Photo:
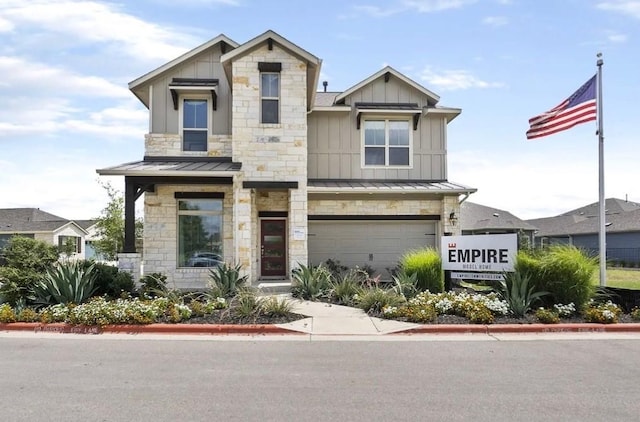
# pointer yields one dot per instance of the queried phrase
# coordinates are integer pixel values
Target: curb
(213, 329)
(524, 328)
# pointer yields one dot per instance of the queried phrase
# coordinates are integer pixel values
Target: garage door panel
(378, 244)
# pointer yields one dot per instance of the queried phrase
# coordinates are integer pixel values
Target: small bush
(110, 281)
(427, 265)
(345, 287)
(375, 299)
(7, 314)
(226, 279)
(635, 314)
(547, 316)
(154, 284)
(603, 313)
(247, 303)
(310, 283)
(405, 284)
(411, 313)
(66, 283)
(274, 306)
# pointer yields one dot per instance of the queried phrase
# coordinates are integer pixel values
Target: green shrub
(153, 285)
(518, 293)
(406, 285)
(375, 299)
(246, 303)
(603, 313)
(16, 284)
(635, 314)
(275, 306)
(226, 280)
(65, 283)
(563, 270)
(7, 314)
(27, 315)
(110, 281)
(427, 265)
(346, 286)
(310, 283)
(547, 316)
(411, 313)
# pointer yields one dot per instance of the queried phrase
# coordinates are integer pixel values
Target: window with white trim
(387, 143)
(200, 232)
(71, 244)
(195, 124)
(269, 97)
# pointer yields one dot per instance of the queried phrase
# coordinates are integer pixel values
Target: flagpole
(602, 231)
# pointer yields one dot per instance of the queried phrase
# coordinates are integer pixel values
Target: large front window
(194, 125)
(270, 97)
(200, 233)
(387, 143)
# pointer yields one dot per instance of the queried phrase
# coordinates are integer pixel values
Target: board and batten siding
(335, 142)
(206, 65)
(335, 149)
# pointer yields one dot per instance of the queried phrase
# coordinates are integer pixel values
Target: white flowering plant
(604, 313)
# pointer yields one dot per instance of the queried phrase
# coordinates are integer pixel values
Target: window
(200, 232)
(270, 97)
(387, 143)
(195, 128)
(70, 244)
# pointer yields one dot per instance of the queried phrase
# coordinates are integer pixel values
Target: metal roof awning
(175, 166)
(178, 85)
(387, 186)
(389, 108)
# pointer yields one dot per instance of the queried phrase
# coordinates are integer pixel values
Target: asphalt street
(98, 378)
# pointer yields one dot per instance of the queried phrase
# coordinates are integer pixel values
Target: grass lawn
(616, 277)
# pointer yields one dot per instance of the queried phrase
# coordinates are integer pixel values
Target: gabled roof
(620, 216)
(313, 62)
(143, 95)
(31, 220)
(476, 217)
(433, 98)
(85, 224)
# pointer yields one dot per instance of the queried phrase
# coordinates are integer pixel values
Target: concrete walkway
(329, 319)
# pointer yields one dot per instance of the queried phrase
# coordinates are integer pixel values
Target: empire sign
(491, 252)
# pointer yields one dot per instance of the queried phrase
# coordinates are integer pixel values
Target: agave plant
(226, 279)
(310, 283)
(66, 282)
(515, 290)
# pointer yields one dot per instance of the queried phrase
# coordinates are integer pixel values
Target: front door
(273, 248)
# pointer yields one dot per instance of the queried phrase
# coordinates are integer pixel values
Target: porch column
(298, 226)
(242, 227)
(129, 216)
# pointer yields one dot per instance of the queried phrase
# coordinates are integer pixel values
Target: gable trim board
(305, 170)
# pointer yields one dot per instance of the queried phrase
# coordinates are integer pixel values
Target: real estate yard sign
(482, 253)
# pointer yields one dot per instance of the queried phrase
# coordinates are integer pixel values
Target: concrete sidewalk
(329, 319)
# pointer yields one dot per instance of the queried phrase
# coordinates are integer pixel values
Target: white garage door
(379, 244)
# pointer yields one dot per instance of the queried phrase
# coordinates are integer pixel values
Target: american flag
(580, 107)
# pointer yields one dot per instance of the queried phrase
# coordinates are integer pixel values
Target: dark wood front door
(273, 248)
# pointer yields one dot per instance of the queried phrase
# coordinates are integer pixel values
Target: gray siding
(206, 65)
(335, 148)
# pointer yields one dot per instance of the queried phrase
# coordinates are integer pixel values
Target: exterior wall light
(453, 218)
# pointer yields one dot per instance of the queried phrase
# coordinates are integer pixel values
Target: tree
(110, 225)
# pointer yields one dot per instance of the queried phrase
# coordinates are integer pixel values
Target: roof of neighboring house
(85, 224)
(22, 220)
(621, 216)
(476, 217)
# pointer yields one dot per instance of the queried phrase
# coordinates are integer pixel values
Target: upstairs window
(387, 143)
(195, 127)
(269, 97)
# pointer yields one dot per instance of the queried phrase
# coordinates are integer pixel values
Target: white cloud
(627, 7)
(420, 6)
(451, 80)
(5, 25)
(199, 3)
(495, 20)
(94, 22)
(23, 75)
(617, 38)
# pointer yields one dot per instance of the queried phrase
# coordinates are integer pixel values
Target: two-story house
(246, 163)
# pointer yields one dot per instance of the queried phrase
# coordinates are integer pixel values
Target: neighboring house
(245, 161)
(92, 235)
(580, 227)
(40, 225)
(480, 219)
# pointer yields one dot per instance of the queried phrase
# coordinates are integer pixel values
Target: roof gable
(313, 62)
(137, 86)
(15, 220)
(386, 72)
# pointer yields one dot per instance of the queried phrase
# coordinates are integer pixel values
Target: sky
(65, 65)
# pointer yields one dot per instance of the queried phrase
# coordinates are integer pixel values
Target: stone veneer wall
(170, 144)
(161, 234)
(270, 152)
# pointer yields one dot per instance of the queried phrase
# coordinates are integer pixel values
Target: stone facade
(170, 144)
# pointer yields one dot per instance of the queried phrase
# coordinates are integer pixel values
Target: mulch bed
(229, 316)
